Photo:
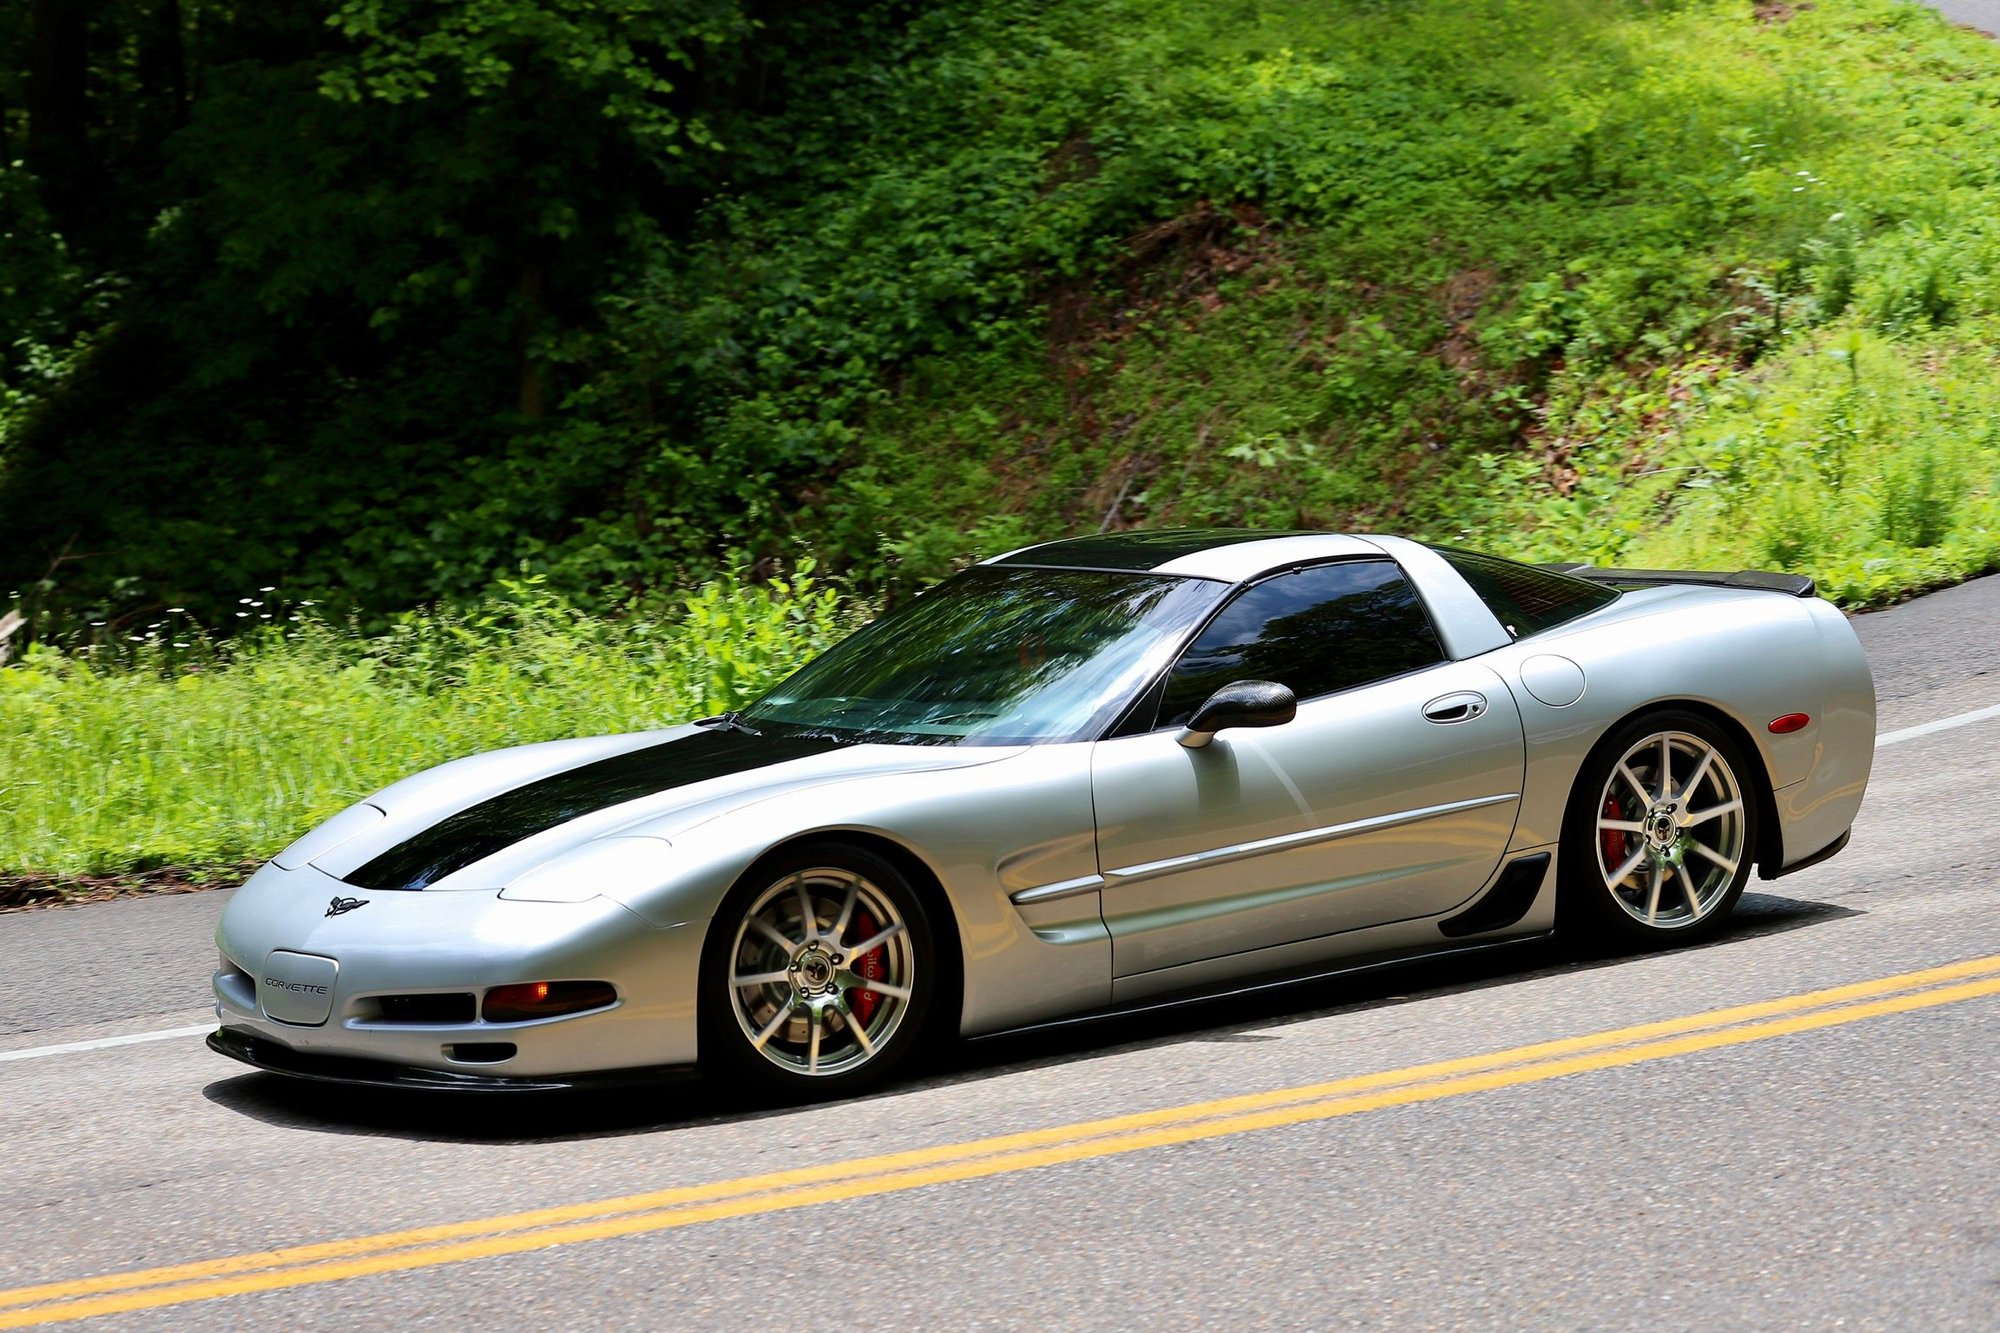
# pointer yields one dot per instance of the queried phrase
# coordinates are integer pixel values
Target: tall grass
(175, 750)
(1868, 461)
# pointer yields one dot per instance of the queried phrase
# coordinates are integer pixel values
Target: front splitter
(269, 1055)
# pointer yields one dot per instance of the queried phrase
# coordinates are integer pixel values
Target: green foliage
(1920, 494)
(432, 290)
(1317, 266)
(618, 52)
(353, 338)
(536, 307)
(39, 283)
(179, 749)
(1868, 461)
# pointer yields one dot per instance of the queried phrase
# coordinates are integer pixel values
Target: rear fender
(1815, 811)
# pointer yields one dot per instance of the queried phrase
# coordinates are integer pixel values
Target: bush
(178, 749)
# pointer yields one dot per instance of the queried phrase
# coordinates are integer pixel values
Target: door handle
(1460, 707)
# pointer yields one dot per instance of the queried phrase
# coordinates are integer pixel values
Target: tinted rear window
(1525, 599)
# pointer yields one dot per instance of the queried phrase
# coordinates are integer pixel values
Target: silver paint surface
(1072, 876)
(1555, 681)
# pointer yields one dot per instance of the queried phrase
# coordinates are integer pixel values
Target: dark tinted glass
(994, 656)
(1527, 600)
(1315, 631)
(1139, 550)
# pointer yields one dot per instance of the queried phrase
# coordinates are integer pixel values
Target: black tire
(1691, 843)
(761, 1036)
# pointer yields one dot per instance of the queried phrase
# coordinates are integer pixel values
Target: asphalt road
(1817, 1162)
(1981, 14)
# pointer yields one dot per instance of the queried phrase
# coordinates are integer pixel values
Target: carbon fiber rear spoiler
(1798, 585)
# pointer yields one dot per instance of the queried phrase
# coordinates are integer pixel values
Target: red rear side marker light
(1790, 722)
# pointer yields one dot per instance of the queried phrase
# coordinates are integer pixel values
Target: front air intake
(450, 1007)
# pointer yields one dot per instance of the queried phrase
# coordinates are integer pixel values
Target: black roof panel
(1138, 550)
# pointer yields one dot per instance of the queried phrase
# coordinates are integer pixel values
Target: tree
(348, 262)
(59, 148)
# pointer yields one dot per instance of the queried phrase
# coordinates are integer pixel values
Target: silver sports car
(1091, 774)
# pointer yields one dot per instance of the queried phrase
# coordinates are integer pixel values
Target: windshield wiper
(727, 722)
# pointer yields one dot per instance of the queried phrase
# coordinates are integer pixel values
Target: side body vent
(1512, 894)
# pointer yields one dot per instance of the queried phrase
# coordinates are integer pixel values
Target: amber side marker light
(1790, 722)
(545, 999)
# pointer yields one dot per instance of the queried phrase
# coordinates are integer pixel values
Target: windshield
(996, 656)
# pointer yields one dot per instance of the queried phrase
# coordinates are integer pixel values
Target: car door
(1391, 795)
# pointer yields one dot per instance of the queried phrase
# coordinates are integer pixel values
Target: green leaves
(436, 287)
(116, 757)
(624, 56)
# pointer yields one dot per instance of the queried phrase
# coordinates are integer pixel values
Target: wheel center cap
(1662, 828)
(812, 971)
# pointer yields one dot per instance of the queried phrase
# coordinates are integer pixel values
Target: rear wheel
(1660, 833)
(818, 975)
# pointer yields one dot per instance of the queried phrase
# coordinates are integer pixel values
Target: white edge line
(1942, 724)
(103, 1043)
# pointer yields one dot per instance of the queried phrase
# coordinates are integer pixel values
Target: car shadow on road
(500, 1119)
(1222, 1020)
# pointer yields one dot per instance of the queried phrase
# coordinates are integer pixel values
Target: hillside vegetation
(396, 304)
(1583, 278)
(186, 753)
(1661, 284)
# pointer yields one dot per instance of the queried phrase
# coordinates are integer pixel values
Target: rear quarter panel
(1820, 808)
(1748, 657)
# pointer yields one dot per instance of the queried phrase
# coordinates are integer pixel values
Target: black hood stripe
(498, 822)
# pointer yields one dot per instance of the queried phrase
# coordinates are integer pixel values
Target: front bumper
(457, 942)
(269, 1055)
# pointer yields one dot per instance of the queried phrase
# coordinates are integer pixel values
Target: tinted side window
(1525, 599)
(1315, 630)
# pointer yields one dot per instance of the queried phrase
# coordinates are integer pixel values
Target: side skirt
(1210, 995)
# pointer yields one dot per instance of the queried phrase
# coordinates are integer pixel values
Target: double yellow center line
(661, 1210)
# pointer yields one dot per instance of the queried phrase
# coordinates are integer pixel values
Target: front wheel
(818, 975)
(1660, 832)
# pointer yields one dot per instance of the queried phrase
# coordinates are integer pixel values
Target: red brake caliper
(869, 966)
(1614, 841)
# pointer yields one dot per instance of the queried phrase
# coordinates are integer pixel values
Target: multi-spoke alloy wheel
(823, 970)
(1671, 829)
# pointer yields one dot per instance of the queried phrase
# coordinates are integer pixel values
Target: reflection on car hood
(497, 824)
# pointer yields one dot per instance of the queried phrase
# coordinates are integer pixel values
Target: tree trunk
(59, 108)
(531, 304)
(164, 57)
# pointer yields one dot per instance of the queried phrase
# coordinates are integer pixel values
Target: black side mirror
(1241, 703)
